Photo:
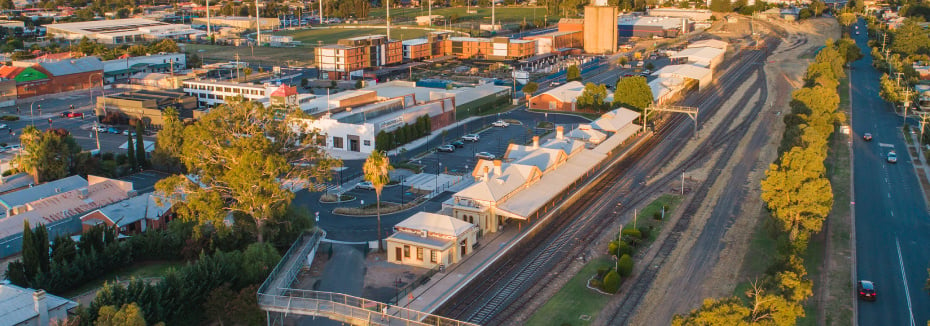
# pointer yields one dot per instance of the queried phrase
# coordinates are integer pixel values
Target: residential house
(27, 307)
(132, 216)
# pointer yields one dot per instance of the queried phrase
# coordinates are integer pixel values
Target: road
(892, 223)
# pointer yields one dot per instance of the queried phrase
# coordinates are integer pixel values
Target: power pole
(321, 12)
(493, 5)
(209, 31)
(258, 27)
(388, 7)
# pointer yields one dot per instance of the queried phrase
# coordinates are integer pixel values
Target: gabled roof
(41, 191)
(133, 210)
(497, 187)
(435, 223)
(17, 304)
(28, 74)
(566, 93)
(285, 91)
(10, 72)
(616, 119)
(687, 71)
(700, 55)
(73, 66)
(586, 133)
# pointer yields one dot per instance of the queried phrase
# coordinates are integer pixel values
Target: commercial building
(210, 93)
(241, 22)
(122, 69)
(702, 75)
(27, 307)
(429, 240)
(556, 41)
(59, 210)
(707, 57)
(35, 78)
(7, 92)
(692, 14)
(497, 48)
(350, 121)
(649, 26)
(147, 105)
(600, 27)
(122, 31)
(351, 56)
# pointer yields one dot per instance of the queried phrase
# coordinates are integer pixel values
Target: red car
(75, 115)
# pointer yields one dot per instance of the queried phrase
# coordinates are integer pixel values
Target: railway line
(497, 294)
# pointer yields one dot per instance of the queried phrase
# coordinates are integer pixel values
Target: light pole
(437, 177)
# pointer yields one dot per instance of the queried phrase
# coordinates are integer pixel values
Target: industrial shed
(702, 75)
(707, 57)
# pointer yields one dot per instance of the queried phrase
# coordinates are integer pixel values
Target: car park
(113, 130)
(500, 123)
(458, 144)
(892, 157)
(471, 137)
(867, 137)
(445, 148)
(866, 290)
(365, 185)
(485, 156)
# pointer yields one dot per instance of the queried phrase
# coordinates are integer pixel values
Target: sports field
(502, 14)
(312, 37)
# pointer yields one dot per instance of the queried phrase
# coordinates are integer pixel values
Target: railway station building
(428, 240)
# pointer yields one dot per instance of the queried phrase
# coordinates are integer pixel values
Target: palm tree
(377, 168)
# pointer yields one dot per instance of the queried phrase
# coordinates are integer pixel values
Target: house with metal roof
(60, 210)
(23, 306)
(428, 240)
(19, 201)
(131, 216)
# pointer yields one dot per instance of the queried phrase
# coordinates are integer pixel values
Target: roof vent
(57, 190)
(424, 233)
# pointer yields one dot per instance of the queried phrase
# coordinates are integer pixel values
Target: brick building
(352, 55)
(42, 78)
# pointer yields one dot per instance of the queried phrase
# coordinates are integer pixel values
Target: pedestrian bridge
(279, 300)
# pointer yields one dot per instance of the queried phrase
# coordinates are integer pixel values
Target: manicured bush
(633, 233)
(612, 281)
(625, 265)
(645, 231)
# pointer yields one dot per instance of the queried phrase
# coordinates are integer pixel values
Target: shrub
(625, 265)
(9, 118)
(595, 282)
(602, 271)
(634, 233)
(612, 281)
(619, 249)
(645, 231)
(657, 216)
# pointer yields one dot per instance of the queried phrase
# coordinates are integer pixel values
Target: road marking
(886, 180)
(889, 195)
(907, 293)
(892, 213)
(885, 145)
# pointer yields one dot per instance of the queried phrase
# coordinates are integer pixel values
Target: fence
(350, 309)
(423, 279)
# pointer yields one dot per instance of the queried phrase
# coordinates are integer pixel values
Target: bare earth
(678, 288)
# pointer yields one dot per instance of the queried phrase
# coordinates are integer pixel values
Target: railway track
(493, 297)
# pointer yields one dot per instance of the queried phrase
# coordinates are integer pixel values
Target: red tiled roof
(10, 71)
(285, 91)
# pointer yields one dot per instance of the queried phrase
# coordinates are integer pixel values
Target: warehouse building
(121, 70)
(147, 105)
(707, 57)
(562, 98)
(702, 75)
(650, 26)
(692, 14)
(122, 31)
(34, 78)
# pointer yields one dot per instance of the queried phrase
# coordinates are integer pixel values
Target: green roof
(30, 74)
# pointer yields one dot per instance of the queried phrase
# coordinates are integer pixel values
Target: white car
(101, 129)
(500, 123)
(365, 185)
(892, 157)
(485, 156)
(471, 137)
(127, 132)
(3, 126)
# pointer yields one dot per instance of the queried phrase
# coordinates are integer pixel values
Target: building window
(406, 251)
(419, 254)
(433, 256)
(337, 142)
(367, 142)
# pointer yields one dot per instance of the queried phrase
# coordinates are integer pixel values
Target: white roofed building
(428, 240)
(707, 57)
(702, 75)
(28, 307)
(121, 31)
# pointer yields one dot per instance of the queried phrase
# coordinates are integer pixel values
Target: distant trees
(720, 5)
(633, 93)
(128, 315)
(573, 74)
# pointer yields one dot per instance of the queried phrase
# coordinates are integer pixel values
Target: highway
(891, 219)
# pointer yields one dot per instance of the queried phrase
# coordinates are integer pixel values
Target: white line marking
(886, 179)
(889, 195)
(885, 145)
(907, 293)
(892, 213)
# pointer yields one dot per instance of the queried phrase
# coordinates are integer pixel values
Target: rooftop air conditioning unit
(424, 233)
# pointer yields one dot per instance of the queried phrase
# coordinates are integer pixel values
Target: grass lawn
(502, 14)
(645, 217)
(263, 55)
(311, 37)
(763, 248)
(141, 270)
(574, 299)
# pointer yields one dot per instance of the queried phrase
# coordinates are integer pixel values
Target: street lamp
(437, 177)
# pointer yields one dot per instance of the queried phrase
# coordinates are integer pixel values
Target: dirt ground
(784, 71)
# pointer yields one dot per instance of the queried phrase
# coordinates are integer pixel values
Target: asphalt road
(892, 223)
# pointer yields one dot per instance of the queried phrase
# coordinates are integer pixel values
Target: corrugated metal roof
(436, 223)
(73, 66)
(44, 190)
(17, 304)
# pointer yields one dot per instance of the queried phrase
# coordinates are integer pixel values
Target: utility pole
(387, 5)
(907, 102)
(493, 5)
(430, 12)
(209, 31)
(258, 27)
(321, 12)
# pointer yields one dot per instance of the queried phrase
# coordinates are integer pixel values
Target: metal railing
(350, 309)
(421, 280)
(276, 295)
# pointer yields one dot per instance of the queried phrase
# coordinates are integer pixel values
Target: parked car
(12, 148)
(866, 290)
(113, 130)
(500, 123)
(458, 144)
(485, 156)
(365, 185)
(471, 137)
(128, 132)
(75, 115)
(892, 157)
(867, 136)
(101, 129)
(446, 148)
(3, 126)
(65, 114)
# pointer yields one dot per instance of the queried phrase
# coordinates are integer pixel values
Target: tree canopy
(47, 155)
(240, 156)
(593, 98)
(573, 74)
(633, 93)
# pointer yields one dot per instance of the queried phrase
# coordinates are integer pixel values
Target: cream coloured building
(429, 240)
